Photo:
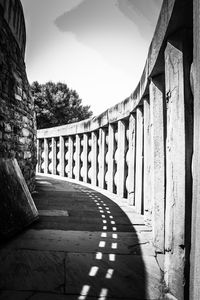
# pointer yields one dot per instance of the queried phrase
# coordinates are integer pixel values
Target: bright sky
(97, 47)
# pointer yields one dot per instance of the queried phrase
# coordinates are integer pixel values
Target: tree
(56, 104)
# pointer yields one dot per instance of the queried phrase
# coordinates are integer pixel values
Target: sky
(97, 47)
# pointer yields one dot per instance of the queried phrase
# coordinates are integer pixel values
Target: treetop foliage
(56, 104)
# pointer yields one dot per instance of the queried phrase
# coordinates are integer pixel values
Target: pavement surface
(84, 246)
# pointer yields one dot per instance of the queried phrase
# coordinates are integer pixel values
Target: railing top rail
(172, 18)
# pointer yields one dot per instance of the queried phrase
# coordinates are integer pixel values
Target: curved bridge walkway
(85, 246)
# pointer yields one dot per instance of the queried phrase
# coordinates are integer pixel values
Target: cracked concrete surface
(101, 249)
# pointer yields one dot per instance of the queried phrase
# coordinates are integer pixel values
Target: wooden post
(70, 157)
(85, 157)
(131, 160)
(147, 163)
(121, 160)
(102, 145)
(157, 162)
(78, 157)
(111, 158)
(178, 159)
(94, 159)
(62, 156)
(46, 156)
(139, 162)
(195, 249)
(53, 141)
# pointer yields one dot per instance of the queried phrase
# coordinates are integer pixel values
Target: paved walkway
(85, 246)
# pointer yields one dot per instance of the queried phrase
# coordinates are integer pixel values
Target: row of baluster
(105, 158)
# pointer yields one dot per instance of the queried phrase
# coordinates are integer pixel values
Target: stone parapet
(141, 148)
(13, 14)
(17, 117)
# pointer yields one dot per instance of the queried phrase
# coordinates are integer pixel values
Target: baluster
(39, 155)
(78, 157)
(89, 157)
(157, 161)
(46, 155)
(50, 166)
(70, 156)
(195, 249)
(102, 140)
(121, 158)
(111, 158)
(85, 157)
(54, 160)
(147, 162)
(139, 161)
(94, 159)
(62, 156)
(131, 160)
(178, 157)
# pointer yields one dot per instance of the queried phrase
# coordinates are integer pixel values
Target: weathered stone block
(17, 208)
(27, 154)
(25, 132)
(7, 127)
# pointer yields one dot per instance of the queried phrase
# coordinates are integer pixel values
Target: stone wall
(17, 119)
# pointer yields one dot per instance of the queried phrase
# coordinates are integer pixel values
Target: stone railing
(141, 148)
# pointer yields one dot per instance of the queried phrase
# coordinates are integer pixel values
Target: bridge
(128, 178)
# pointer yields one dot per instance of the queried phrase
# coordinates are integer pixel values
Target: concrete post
(131, 160)
(195, 249)
(78, 157)
(70, 156)
(94, 159)
(85, 157)
(111, 158)
(102, 145)
(46, 156)
(39, 155)
(157, 161)
(53, 142)
(121, 159)
(178, 160)
(139, 161)
(62, 156)
(147, 163)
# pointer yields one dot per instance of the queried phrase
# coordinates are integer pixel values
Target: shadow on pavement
(83, 247)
